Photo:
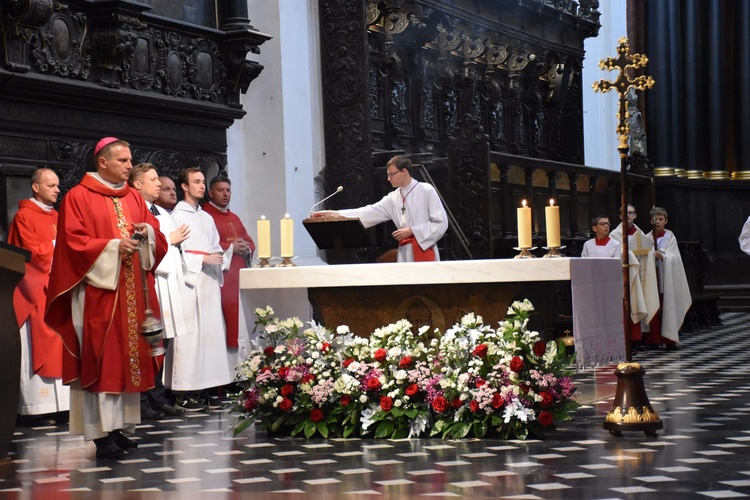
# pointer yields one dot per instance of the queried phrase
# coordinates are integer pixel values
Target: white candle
(287, 236)
(264, 238)
(552, 218)
(524, 226)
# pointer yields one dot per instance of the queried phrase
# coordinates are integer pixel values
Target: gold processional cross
(631, 409)
(624, 62)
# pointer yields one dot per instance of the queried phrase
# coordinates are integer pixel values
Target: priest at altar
(414, 207)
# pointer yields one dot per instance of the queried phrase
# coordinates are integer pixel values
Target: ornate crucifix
(624, 62)
(631, 409)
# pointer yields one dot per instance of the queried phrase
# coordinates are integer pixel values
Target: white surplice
(200, 360)
(423, 212)
(610, 250)
(673, 284)
(745, 237)
(170, 281)
(644, 293)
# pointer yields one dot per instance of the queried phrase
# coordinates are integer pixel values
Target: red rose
(285, 405)
(545, 418)
(473, 406)
(386, 403)
(525, 387)
(373, 384)
(480, 351)
(479, 382)
(440, 404)
(282, 372)
(345, 400)
(380, 355)
(316, 415)
(497, 401)
(516, 364)
(411, 390)
(308, 378)
(539, 349)
(265, 369)
(547, 398)
(268, 351)
(325, 348)
(287, 390)
(405, 362)
(347, 362)
(456, 403)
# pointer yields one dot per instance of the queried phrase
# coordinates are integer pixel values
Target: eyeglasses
(391, 174)
(602, 223)
(631, 213)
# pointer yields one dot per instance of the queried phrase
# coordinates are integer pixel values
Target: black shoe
(172, 411)
(148, 413)
(213, 403)
(106, 448)
(671, 347)
(122, 441)
(191, 405)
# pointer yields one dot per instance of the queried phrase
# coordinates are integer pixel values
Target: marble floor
(701, 392)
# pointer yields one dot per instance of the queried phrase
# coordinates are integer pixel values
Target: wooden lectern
(336, 234)
(12, 270)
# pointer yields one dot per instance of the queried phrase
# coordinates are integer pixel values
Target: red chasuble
(230, 229)
(35, 229)
(112, 357)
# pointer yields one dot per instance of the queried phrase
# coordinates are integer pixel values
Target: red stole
(230, 229)
(112, 357)
(35, 229)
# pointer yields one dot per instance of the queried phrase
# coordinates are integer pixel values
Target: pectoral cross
(403, 209)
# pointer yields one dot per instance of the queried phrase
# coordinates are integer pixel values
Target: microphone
(338, 190)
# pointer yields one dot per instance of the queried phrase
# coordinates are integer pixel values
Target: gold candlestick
(525, 253)
(553, 252)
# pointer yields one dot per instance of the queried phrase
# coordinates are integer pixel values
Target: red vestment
(35, 229)
(230, 229)
(112, 357)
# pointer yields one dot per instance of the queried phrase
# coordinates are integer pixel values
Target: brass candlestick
(553, 252)
(525, 253)
(287, 262)
(263, 262)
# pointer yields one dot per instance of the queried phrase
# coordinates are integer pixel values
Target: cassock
(34, 228)
(200, 361)
(231, 229)
(607, 248)
(169, 282)
(673, 285)
(644, 294)
(96, 304)
(416, 206)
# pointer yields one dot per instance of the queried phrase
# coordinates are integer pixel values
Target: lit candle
(524, 226)
(552, 217)
(264, 238)
(287, 236)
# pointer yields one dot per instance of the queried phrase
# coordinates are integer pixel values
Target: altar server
(201, 360)
(673, 285)
(601, 245)
(414, 207)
